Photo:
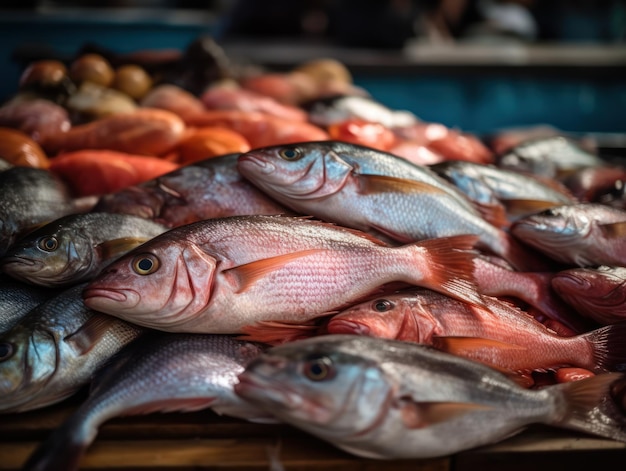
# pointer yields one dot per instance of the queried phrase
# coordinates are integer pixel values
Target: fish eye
(319, 368)
(382, 305)
(48, 243)
(145, 264)
(6, 351)
(290, 153)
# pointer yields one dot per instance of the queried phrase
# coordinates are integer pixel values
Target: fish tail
(63, 449)
(449, 267)
(609, 347)
(595, 405)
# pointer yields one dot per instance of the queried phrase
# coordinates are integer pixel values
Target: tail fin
(609, 347)
(449, 267)
(592, 408)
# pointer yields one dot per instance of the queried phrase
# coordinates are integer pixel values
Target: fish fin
(248, 273)
(369, 184)
(117, 247)
(451, 266)
(495, 214)
(423, 414)
(592, 405)
(394, 236)
(465, 346)
(276, 332)
(189, 404)
(609, 348)
(523, 207)
(88, 335)
(615, 230)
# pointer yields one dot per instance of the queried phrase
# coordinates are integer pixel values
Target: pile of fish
(395, 287)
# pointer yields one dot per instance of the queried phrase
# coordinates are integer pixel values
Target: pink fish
(221, 275)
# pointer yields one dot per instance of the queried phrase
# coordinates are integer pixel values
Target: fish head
(160, 284)
(380, 317)
(295, 171)
(29, 358)
(316, 387)
(53, 255)
(602, 287)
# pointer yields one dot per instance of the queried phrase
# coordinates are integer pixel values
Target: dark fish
(16, 299)
(598, 293)
(389, 399)
(549, 157)
(503, 195)
(158, 373)
(599, 184)
(208, 189)
(30, 197)
(54, 350)
(74, 248)
(586, 234)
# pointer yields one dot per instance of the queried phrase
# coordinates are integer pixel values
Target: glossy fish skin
(499, 335)
(74, 248)
(222, 275)
(208, 189)
(595, 184)
(17, 299)
(372, 191)
(514, 194)
(389, 399)
(28, 197)
(158, 373)
(549, 157)
(54, 349)
(586, 234)
(598, 293)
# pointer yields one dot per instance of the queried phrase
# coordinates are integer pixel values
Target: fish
(599, 184)
(74, 248)
(503, 194)
(499, 334)
(17, 299)
(375, 192)
(495, 278)
(226, 274)
(40, 119)
(54, 349)
(551, 157)
(160, 372)
(30, 197)
(18, 148)
(174, 99)
(388, 399)
(597, 293)
(584, 234)
(206, 189)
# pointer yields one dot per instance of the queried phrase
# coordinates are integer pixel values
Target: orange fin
(369, 184)
(117, 247)
(248, 273)
(466, 345)
(494, 214)
(276, 332)
(615, 230)
(451, 265)
(90, 333)
(522, 207)
(423, 414)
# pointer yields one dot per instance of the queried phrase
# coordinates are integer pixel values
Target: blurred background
(474, 65)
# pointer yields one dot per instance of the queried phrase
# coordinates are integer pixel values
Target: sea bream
(389, 399)
(500, 335)
(161, 372)
(54, 350)
(585, 234)
(222, 275)
(74, 248)
(375, 192)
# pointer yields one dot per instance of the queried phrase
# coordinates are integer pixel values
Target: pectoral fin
(615, 230)
(91, 332)
(117, 247)
(423, 414)
(370, 184)
(522, 207)
(465, 346)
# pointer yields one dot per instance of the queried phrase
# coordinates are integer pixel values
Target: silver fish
(158, 373)
(74, 248)
(54, 349)
(586, 234)
(390, 399)
(17, 299)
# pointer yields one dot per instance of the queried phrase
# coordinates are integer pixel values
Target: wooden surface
(204, 440)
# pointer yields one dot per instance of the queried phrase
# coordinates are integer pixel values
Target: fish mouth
(343, 326)
(254, 387)
(252, 160)
(16, 260)
(104, 293)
